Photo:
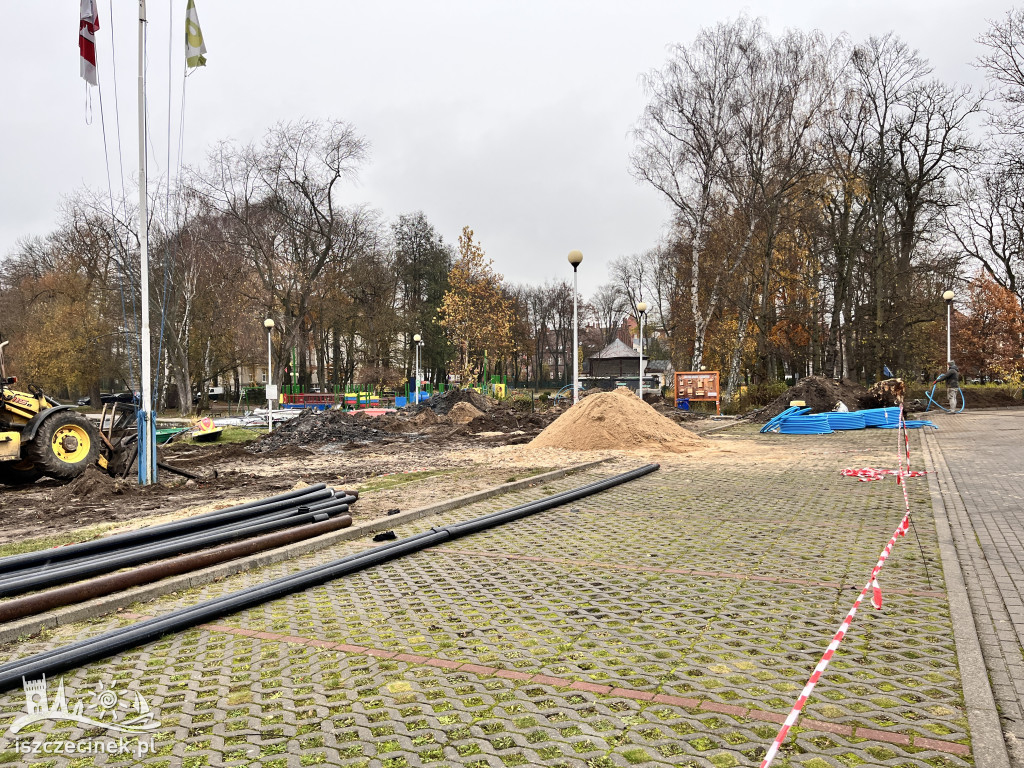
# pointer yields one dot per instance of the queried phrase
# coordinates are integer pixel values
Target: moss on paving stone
(599, 606)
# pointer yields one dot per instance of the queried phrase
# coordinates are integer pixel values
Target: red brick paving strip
(839, 729)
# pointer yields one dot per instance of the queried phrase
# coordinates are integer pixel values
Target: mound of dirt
(616, 420)
(312, 428)
(455, 414)
(464, 412)
(444, 402)
(92, 484)
(820, 394)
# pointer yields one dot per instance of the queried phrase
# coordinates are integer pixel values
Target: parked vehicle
(122, 397)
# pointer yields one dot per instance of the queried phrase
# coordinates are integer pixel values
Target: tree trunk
(741, 337)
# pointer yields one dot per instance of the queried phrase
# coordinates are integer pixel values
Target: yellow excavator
(39, 436)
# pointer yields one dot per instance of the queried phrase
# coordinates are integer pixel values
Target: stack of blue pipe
(799, 421)
(880, 417)
(840, 420)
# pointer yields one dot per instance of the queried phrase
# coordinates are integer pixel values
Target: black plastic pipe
(122, 559)
(314, 493)
(189, 535)
(292, 494)
(145, 574)
(90, 565)
(125, 638)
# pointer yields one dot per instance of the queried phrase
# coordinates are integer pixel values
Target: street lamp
(948, 296)
(641, 308)
(575, 258)
(271, 389)
(419, 343)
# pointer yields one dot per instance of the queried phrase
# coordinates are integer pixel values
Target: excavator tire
(18, 473)
(65, 444)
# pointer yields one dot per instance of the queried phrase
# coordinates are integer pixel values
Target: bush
(760, 395)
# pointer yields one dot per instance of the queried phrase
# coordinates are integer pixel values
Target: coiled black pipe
(125, 638)
(304, 496)
(107, 562)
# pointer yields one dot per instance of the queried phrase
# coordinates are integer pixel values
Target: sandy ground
(232, 476)
(402, 472)
(390, 477)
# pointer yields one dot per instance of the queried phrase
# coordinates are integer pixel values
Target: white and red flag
(90, 22)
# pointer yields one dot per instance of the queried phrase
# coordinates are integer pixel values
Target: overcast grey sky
(512, 117)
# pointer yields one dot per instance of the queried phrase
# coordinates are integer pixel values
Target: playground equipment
(566, 391)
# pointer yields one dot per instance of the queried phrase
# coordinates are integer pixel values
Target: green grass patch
(229, 435)
(56, 540)
(528, 473)
(387, 482)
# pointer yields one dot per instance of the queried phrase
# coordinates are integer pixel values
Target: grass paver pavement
(672, 620)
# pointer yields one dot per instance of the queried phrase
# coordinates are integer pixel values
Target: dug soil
(818, 393)
(444, 447)
(459, 416)
(822, 394)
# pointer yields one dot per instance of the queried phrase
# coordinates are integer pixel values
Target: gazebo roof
(615, 351)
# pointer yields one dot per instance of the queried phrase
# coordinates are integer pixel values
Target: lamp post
(641, 308)
(575, 258)
(948, 296)
(271, 389)
(419, 343)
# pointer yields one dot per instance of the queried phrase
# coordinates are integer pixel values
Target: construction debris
(884, 394)
(443, 418)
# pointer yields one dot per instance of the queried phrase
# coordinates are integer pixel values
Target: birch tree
(686, 143)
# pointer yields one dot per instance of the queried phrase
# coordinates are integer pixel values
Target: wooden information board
(699, 385)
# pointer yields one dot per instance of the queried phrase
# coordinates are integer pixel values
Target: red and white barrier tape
(872, 584)
(866, 474)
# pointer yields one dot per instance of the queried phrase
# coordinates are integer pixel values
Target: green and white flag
(195, 48)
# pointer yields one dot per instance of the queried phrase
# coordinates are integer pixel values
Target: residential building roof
(614, 351)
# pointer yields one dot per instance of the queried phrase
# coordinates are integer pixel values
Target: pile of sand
(616, 420)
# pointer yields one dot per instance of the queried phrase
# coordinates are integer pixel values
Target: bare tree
(988, 224)
(1003, 63)
(788, 82)
(609, 306)
(686, 143)
(282, 199)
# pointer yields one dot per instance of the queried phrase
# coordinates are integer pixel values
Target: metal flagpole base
(146, 421)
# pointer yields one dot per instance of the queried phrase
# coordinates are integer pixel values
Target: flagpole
(146, 421)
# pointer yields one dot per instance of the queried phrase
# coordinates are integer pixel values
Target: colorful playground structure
(294, 396)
